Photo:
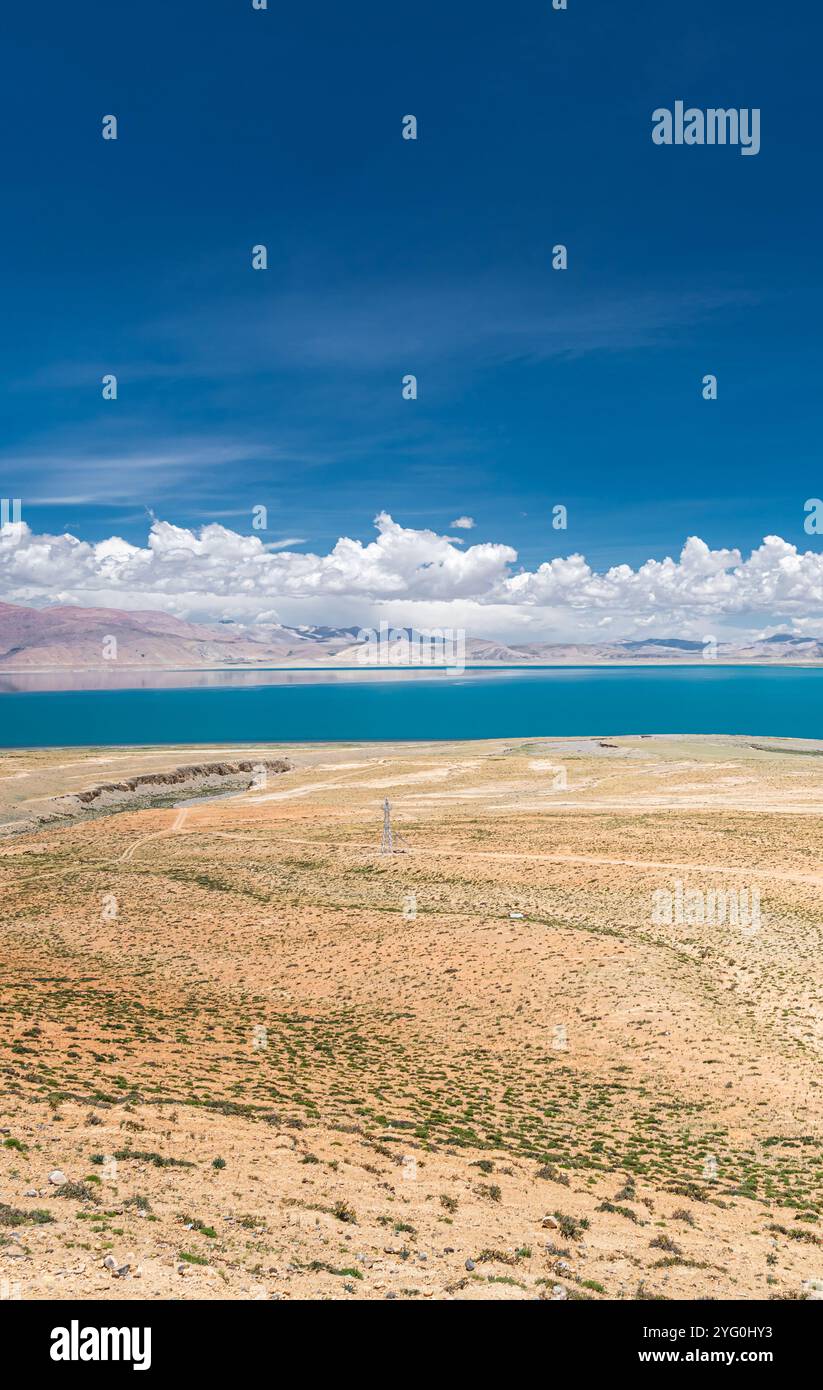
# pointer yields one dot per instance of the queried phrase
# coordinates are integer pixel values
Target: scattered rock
(470, 1265)
(57, 1177)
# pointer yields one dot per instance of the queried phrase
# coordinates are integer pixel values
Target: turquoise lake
(229, 707)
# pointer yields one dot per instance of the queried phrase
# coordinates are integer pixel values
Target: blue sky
(387, 256)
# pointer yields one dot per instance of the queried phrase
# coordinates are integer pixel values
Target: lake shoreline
(125, 679)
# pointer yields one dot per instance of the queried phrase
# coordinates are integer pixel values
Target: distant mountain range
(64, 637)
(67, 637)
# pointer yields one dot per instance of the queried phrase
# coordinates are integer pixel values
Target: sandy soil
(421, 1075)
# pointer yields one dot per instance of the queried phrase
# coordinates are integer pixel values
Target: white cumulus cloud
(417, 576)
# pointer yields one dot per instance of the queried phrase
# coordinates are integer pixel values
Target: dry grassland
(271, 1062)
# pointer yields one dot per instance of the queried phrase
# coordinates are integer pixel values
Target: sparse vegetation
(16, 1216)
(665, 1243)
(571, 1227)
(387, 1036)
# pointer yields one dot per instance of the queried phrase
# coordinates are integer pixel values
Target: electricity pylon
(387, 843)
(392, 841)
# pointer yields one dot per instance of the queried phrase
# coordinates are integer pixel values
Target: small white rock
(57, 1177)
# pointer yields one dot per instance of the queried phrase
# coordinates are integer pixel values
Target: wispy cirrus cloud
(106, 471)
(375, 325)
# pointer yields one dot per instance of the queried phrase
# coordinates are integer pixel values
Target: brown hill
(68, 637)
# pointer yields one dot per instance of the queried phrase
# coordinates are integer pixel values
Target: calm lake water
(229, 707)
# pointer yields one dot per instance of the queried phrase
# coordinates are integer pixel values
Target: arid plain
(246, 1055)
